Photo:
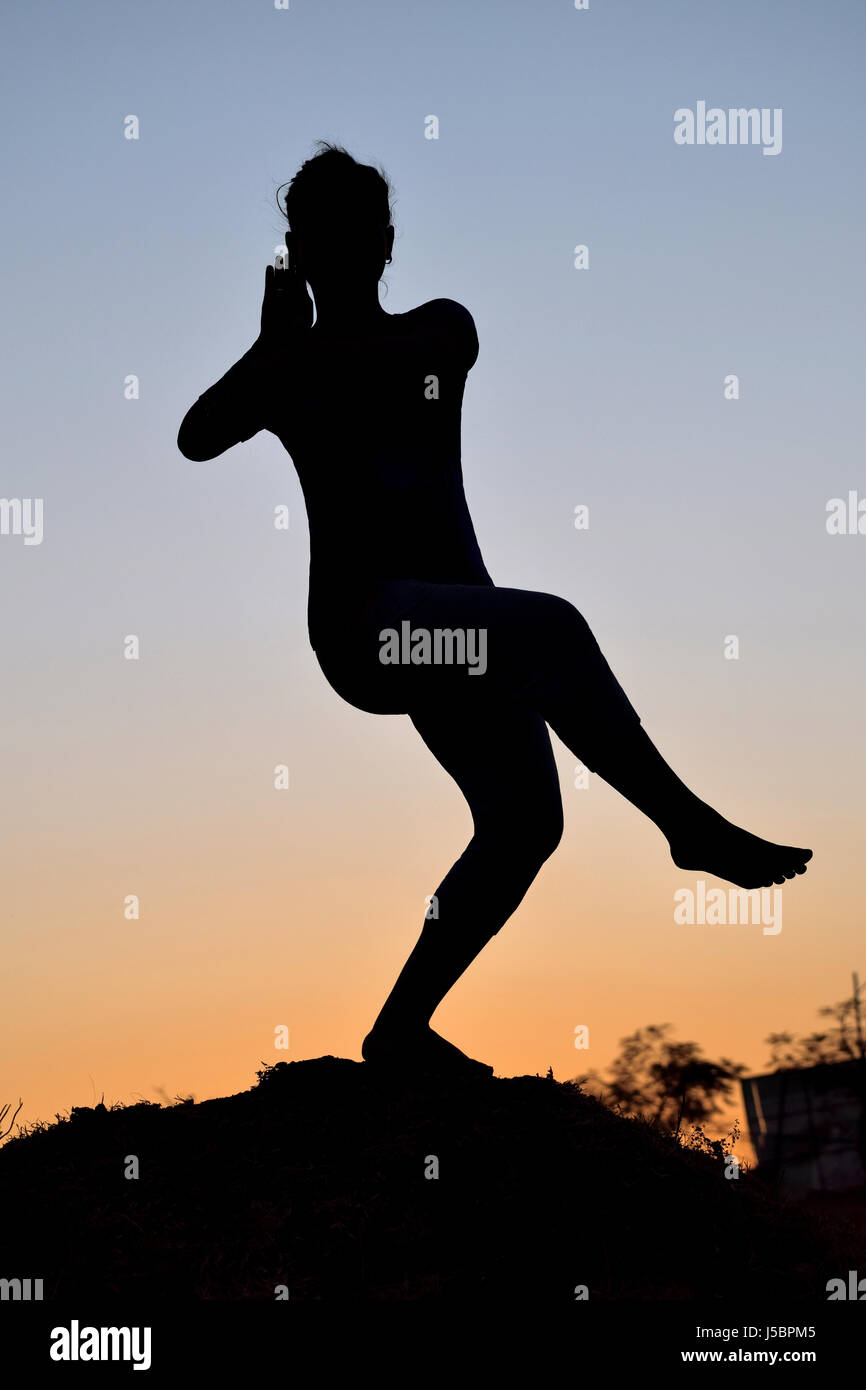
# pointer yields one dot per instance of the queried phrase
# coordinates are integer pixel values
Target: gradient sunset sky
(602, 387)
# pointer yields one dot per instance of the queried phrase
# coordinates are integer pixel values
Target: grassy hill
(315, 1179)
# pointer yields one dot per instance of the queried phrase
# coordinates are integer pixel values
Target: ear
(389, 241)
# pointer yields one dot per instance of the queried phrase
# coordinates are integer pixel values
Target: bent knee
(527, 838)
(556, 620)
(570, 617)
(547, 830)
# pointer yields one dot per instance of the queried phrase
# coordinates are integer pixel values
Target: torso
(373, 427)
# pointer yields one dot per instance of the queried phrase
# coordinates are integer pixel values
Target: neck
(339, 308)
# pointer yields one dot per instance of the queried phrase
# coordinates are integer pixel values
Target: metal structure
(808, 1125)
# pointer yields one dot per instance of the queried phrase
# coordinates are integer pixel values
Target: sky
(602, 386)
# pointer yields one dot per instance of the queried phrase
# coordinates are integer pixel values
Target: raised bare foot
(418, 1051)
(712, 845)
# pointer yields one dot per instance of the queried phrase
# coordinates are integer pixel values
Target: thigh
(475, 643)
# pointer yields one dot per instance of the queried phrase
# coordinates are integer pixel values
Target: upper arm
(457, 327)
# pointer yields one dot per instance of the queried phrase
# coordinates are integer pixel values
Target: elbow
(194, 455)
(190, 447)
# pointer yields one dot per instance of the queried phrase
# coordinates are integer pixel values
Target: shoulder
(454, 323)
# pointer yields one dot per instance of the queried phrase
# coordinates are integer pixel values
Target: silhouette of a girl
(368, 405)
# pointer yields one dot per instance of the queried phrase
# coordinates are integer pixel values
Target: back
(373, 428)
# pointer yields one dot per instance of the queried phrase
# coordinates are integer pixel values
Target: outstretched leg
(579, 696)
(500, 756)
(539, 648)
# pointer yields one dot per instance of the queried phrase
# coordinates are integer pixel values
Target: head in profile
(340, 234)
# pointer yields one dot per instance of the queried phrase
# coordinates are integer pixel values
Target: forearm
(230, 411)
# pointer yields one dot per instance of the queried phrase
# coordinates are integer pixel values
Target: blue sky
(602, 387)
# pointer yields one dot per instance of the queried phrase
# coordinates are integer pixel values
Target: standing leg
(500, 756)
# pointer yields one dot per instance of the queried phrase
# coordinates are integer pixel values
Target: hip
(408, 644)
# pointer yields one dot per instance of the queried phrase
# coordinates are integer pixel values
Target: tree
(665, 1081)
(4, 1111)
(841, 1043)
